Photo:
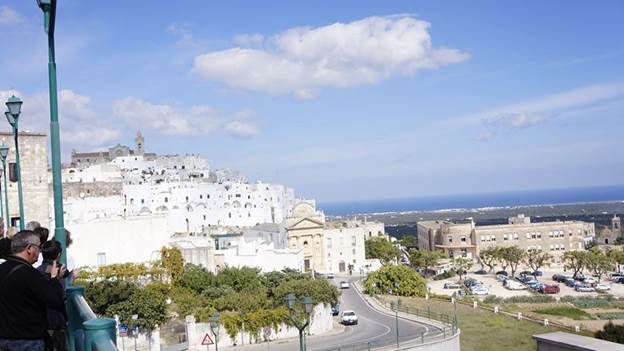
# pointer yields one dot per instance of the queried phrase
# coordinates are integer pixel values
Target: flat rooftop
(570, 341)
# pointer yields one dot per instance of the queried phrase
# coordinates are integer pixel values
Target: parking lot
(496, 287)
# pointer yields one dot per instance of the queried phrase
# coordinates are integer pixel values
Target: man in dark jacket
(57, 320)
(26, 295)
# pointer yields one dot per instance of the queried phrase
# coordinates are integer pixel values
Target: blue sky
(340, 100)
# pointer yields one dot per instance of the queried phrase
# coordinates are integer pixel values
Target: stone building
(467, 239)
(609, 235)
(34, 170)
(305, 231)
(83, 159)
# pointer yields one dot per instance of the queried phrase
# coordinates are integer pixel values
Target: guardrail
(86, 332)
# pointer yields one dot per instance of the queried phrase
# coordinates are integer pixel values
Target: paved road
(373, 326)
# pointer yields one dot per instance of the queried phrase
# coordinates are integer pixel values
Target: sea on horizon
(471, 201)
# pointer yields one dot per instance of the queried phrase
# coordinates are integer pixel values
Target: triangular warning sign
(207, 340)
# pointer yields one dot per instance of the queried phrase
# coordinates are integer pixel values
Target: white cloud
(249, 39)
(241, 129)
(171, 120)
(302, 60)
(8, 16)
(185, 37)
(80, 124)
(541, 110)
(484, 136)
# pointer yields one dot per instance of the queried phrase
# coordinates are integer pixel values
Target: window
(493, 237)
(504, 237)
(142, 201)
(450, 239)
(515, 236)
(166, 199)
(464, 253)
(483, 238)
(528, 235)
(353, 240)
(463, 238)
(550, 234)
(353, 251)
(229, 214)
(101, 258)
(201, 196)
(329, 243)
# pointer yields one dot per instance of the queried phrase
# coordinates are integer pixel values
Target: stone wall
(34, 169)
(91, 189)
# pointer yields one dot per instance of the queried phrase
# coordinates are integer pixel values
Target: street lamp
(214, 327)
(295, 316)
(49, 20)
(4, 152)
(396, 306)
(14, 104)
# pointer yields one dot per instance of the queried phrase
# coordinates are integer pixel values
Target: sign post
(267, 336)
(207, 341)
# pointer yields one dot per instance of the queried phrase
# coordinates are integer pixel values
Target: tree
(461, 266)
(598, 262)
(575, 261)
(617, 256)
(537, 259)
(512, 256)
(196, 278)
(172, 262)
(611, 332)
(240, 279)
(148, 304)
(101, 295)
(381, 248)
(401, 280)
(319, 290)
(489, 258)
(409, 241)
(424, 258)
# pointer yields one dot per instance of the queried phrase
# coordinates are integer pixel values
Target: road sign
(123, 329)
(207, 340)
(267, 332)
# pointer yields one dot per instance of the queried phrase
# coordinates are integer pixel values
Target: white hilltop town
(125, 204)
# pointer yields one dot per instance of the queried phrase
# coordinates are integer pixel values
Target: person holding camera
(57, 319)
(26, 295)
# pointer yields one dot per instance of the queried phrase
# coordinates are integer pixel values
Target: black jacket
(25, 296)
(56, 319)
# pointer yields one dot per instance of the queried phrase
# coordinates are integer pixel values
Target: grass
(569, 312)
(611, 315)
(485, 331)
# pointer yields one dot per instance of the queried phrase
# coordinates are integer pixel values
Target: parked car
(335, 309)
(344, 285)
(514, 285)
(570, 282)
(549, 289)
(559, 278)
(589, 280)
(579, 277)
(620, 280)
(534, 284)
(502, 278)
(330, 276)
(470, 282)
(479, 290)
(523, 273)
(481, 272)
(584, 288)
(602, 287)
(452, 286)
(349, 318)
(502, 272)
(537, 273)
(615, 276)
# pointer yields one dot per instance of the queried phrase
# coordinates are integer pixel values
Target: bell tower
(616, 225)
(139, 142)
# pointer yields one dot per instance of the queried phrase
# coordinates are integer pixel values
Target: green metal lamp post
(49, 18)
(4, 153)
(14, 104)
(214, 327)
(294, 316)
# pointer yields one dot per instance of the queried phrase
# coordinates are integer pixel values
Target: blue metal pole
(18, 174)
(6, 196)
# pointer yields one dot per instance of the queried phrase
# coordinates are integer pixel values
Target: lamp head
(308, 304)
(290, 300)
(44, 4)
(15, 105)
(4, 152)
(214, 319)
(10, 118)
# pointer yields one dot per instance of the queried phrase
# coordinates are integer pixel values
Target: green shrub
(611, 332)
(610, 315)
(530, 299)
(569, 312)
(591, 301)
(493, 299)
(445, 275)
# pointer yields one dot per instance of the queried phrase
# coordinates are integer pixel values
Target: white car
(513, 285)
(602, 287)
(589, 281)
(349, 318)
(344, 285)
(479, 290)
